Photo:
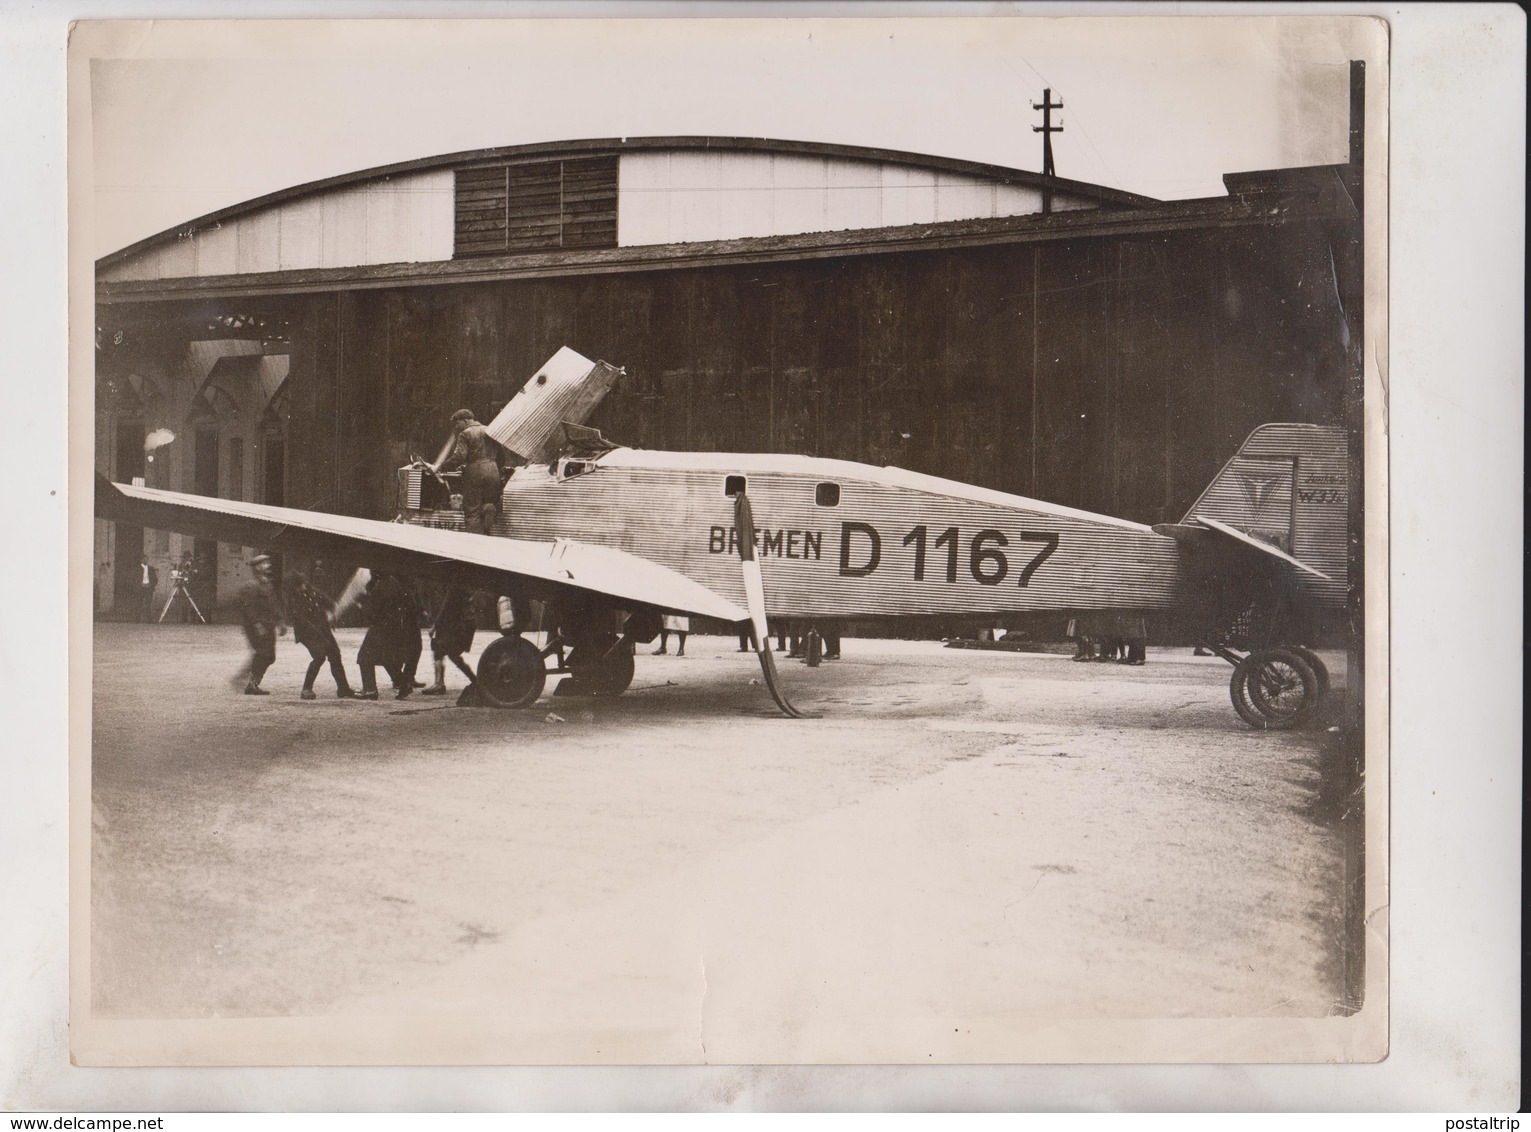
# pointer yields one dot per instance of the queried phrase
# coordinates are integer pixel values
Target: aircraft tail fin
(1287, 486)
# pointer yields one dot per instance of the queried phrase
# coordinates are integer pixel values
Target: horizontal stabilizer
(471, 559)
(1263, 547)
(1288, 486)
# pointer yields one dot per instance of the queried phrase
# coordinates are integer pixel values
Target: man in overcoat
(384, 645)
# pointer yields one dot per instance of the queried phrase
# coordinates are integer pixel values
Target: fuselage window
(733, 485)
(827, 495)
(574, 468)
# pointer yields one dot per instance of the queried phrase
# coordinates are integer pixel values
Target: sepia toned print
(1018, 533)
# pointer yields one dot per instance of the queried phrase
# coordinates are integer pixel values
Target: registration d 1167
(986, 554)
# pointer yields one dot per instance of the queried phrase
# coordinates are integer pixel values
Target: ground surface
(962, 835)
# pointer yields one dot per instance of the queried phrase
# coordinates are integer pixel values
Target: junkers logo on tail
(1258, 488)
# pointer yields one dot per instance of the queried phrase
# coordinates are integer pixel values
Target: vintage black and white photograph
(772, 541)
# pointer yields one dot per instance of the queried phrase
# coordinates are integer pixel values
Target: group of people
(1110, 637)
(391, 601)
(792, 639)
(391, 604)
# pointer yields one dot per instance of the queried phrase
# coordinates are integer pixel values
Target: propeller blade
(754, 600)
(353, 590)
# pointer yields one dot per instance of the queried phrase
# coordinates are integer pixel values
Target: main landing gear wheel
(599, 665)
(611, 675)
(511, 673)
(1274, 689)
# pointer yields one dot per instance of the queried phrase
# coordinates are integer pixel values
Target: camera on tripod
(182, 574)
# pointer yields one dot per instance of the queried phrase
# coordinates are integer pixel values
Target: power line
(1106, 165)
(1047, 130)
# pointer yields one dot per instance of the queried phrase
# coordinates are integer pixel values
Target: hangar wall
(1114, 375)
(1109, 357)
(703, 189)
(673, 196)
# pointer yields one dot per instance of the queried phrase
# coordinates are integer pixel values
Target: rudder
(1288, 485)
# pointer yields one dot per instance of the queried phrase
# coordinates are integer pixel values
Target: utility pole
(1047, 130)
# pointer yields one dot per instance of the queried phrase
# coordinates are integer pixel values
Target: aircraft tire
(1320, 669)
(1274, 689)
(612, 675)
(511, 673)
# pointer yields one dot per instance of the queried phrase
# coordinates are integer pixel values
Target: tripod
(179, 589)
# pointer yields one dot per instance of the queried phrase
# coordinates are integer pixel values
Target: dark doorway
(275, 469)
(130, 540)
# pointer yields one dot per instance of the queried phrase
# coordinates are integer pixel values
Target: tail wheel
(1320, 669)
(1274, 689)
(511, 673)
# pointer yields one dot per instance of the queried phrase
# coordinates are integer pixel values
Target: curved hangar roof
(610, 193)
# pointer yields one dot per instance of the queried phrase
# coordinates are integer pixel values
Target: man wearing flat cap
(477, 454)
(261, 615)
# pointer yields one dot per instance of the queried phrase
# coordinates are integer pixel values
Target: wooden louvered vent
(504, 209)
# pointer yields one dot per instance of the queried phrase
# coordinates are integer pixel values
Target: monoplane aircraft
(611, 538)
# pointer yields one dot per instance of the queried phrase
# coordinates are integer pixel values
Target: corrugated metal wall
(404, 219)
(687, 195)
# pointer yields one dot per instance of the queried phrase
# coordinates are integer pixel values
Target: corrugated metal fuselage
(838, 539)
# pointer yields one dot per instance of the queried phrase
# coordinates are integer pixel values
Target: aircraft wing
(1199, 526)
(540, 569)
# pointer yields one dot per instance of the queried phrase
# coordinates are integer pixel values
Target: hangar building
(1023, 332)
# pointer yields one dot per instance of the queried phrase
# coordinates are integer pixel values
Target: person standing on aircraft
(312, 614)
(384, 646)
(261, 616)
(451, 637)
(678, 625)
(476, 453)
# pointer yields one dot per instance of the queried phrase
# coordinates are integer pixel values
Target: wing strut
(754, 600)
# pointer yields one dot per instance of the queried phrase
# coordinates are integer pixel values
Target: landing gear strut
(599, 665)
(512, 672)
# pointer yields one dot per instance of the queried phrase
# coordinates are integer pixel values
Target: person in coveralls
(476, 453)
